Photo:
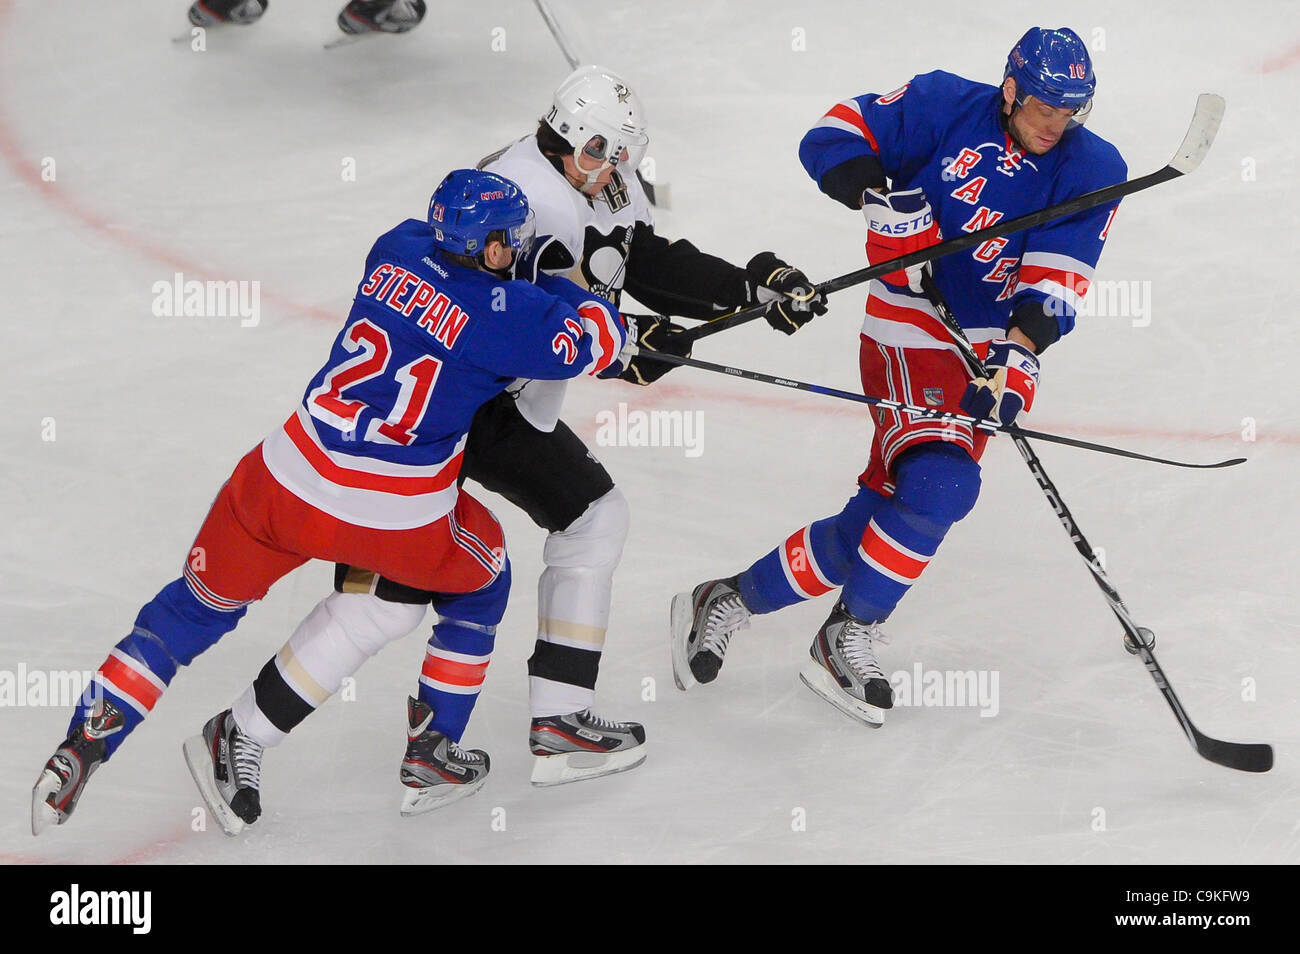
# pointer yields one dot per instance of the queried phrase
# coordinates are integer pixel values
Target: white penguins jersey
(584, 239)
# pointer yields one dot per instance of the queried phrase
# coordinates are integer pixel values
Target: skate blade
(43, 813)
(200, 763)
(823, 683)
(683, 614)
(349, 39)
(569, 767)
(420, 801)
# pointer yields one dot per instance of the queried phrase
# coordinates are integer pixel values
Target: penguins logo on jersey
(604, 260)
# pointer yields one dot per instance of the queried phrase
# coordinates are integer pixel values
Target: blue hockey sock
(937, 485)
(456, 659)
(813, 560)
(170, 630)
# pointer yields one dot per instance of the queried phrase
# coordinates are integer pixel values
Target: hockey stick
(1196, 143)
(930, 412)
(1244, 756)
(659, 201)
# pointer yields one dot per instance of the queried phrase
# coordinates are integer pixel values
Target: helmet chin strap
(592, 176)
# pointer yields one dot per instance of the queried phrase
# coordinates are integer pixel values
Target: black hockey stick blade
(1196, 143)
(1242, 756)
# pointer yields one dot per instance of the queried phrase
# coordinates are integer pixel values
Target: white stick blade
(1200, 134)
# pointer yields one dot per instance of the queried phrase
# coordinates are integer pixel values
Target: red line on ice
(1282, 61)
(26, 170)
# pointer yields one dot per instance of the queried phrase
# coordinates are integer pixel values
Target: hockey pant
(921, 479)
(255, 533)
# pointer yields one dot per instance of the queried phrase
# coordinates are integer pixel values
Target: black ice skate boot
(581, 745)
(206, 13)
(703, 622)
(843, 669)
(436, 771)
(381, 16)
(55, 794)
(227, 768)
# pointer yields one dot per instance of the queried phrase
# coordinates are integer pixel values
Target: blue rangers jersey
(378, 438)
(944, 135)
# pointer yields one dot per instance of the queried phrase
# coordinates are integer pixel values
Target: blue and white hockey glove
(899, 223)
(1009, 389)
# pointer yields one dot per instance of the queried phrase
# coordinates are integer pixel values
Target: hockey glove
(899, 223)
(1009, 389)
(794, 299)
(652, 333)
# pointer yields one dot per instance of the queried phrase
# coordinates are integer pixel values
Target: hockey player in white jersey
(594, 225)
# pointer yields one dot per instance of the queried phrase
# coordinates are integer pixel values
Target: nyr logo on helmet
(495, 194)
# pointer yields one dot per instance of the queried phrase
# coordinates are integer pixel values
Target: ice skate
(581, 745)
(55, 794)
(207, 13)
(843, 669)
(227, 768)
(703, 622)
(381, 16)
(436, 771)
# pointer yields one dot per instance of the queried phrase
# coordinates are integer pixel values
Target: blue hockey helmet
(469, 205)
(1053, 66)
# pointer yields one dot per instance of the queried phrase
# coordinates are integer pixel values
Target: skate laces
(586, 715)
(459, 754)
(726, 617)
(856, 646)
(247, 757)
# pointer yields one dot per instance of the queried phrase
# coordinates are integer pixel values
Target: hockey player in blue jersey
(366, 471)
(595, 225)
(941, 155)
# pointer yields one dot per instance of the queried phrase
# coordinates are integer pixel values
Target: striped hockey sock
(812, 561)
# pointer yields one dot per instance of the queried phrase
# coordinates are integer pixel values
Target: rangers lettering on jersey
(937, 138)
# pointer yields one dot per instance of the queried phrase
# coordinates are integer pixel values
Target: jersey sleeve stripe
(604, 329)
(1059, 262)
(850, 116)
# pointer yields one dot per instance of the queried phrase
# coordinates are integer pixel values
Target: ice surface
(228, 164)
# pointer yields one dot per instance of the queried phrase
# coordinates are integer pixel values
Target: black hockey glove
(774, 280)
(654, 333)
